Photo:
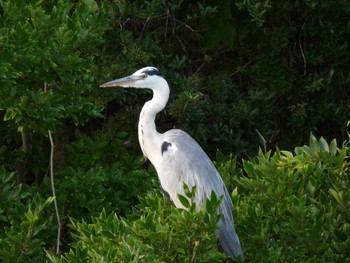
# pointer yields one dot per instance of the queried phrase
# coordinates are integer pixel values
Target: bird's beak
(122, 82)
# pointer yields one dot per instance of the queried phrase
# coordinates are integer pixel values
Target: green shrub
(296, 207)
(100, 173)
(23, 223)
(158, 232)
(47, 52)
(84, 193)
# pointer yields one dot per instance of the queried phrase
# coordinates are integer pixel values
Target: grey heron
(178, 158)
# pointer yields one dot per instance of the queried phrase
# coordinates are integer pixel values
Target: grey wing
(184, 161)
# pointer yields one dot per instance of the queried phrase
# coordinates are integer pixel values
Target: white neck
(150, 140)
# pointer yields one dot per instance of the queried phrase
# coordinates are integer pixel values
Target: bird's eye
(144, 75)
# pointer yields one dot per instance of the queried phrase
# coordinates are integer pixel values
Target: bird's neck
(149, 138)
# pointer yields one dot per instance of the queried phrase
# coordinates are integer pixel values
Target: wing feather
(184, 161)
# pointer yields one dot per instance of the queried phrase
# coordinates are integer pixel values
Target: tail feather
(229, 240)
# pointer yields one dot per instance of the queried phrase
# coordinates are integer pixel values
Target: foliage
(44, 44)
(100, 173)
(298, 63)
(287, 207)
(47, 52)
(296, 206)
(159, 234)
(22, 223)
(10, 193)
(85, 192)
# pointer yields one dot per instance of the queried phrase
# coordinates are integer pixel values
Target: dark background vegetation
(240, 72)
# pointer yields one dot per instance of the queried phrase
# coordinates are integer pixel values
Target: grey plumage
(193, 167)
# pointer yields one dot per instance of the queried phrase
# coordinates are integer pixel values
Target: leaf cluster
(48, 47)
(156, 233)
(23, 222)
(296, 206)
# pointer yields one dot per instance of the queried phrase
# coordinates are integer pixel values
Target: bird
(178, 158)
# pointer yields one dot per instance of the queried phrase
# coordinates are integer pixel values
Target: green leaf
(310, 189)
(314, 144)
(287, 154)
(9, 115)
(184, 201)
(248, 167)
(323, 145)
(333, 147)
(337, 195)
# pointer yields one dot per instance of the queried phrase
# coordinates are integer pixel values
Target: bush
(158, 232)
(47, 52)
(295, 207)
(23, 223)
(100, 173)
(287, 207)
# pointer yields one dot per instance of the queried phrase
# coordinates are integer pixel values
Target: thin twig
(54, 194)
(53, 188)
(301, 48)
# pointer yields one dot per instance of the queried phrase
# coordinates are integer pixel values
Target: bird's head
(148, 77)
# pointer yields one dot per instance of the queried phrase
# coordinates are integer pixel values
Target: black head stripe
(152, 71)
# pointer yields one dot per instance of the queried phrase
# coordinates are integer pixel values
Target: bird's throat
(149, 138)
